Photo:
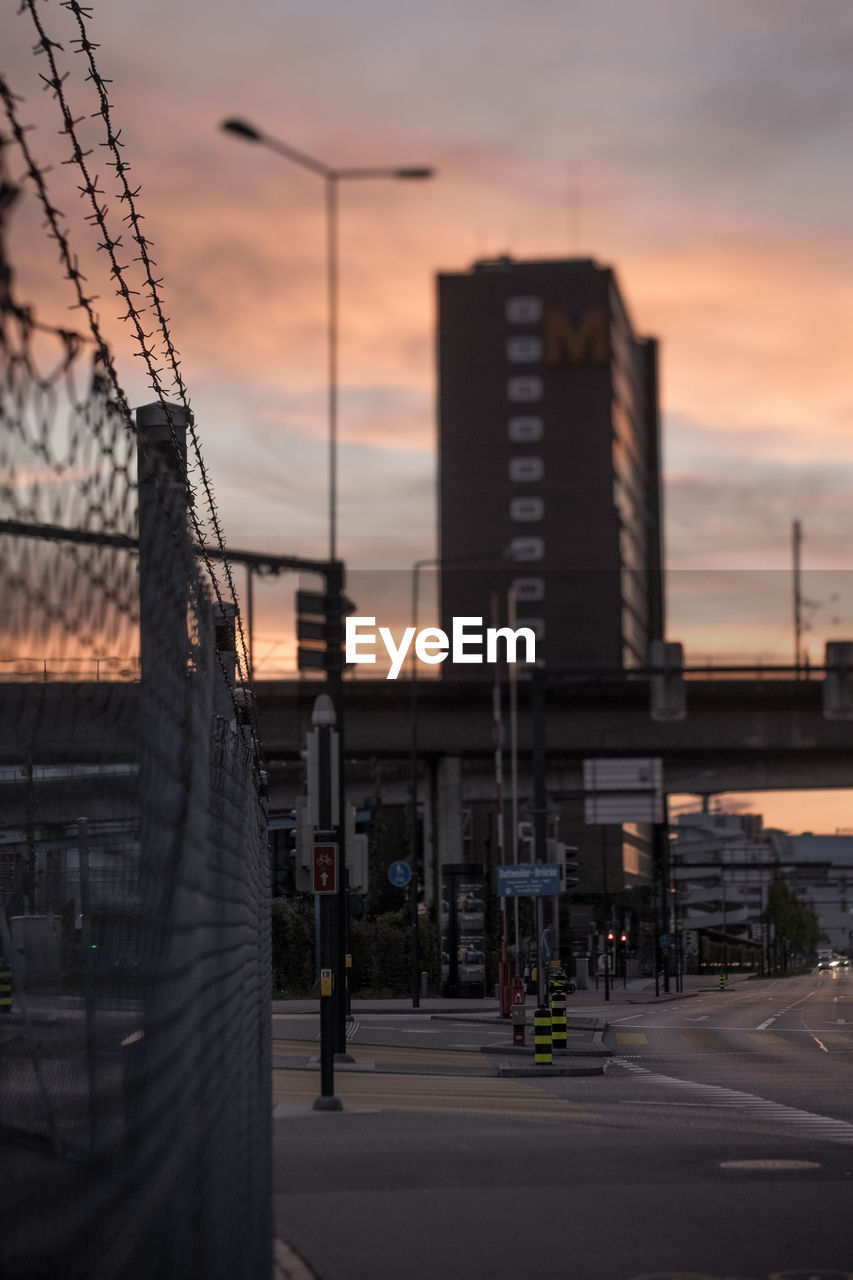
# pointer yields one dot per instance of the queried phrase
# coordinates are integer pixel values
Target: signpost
(325, 868)
(533, 880)
(618, 791)
(529, 880)
(399, 873)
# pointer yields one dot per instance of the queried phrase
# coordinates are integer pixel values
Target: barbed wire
(110, 244)
(87, 47)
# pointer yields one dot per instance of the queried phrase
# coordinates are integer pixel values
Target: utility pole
(798, 599)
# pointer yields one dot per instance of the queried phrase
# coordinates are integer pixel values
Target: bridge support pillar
(448, 810)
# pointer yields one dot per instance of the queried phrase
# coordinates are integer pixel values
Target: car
(823, 963)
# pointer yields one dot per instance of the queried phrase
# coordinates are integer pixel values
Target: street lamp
(334, 573)
(331, 177)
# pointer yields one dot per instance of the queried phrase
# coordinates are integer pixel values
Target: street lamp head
(414, 174)
(323, 714)
(242, 129)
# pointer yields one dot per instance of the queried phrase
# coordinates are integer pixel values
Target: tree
(794, 922)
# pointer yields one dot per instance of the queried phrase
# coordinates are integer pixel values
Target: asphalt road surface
(718, 1145)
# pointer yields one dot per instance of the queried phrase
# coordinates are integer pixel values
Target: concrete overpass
(739, 734)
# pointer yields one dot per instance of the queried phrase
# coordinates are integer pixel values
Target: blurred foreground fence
(135, 1107)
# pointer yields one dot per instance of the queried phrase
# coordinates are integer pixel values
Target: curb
(534, 1072)
(287, 1264)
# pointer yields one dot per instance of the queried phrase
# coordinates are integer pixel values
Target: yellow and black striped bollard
(542, 1055)
(558, 1019)
(5, 990)
(722, 982)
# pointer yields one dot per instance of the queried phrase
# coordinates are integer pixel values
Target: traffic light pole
(324, 723)
(334, 665)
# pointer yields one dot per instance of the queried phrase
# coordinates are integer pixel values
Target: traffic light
(838, 681)
(562, 854)
(319, 623)
(623, 938)
(668, 692)
(356, 854)
(310, 631)
(610, 935)
(303, 845)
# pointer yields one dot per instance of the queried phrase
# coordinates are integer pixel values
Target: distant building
(549, 460)
(820, 870)
(723, 864)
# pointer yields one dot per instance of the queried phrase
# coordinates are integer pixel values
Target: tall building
(549, 460)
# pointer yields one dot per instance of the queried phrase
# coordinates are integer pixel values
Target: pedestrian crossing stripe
(698, 1037)
(817, 1126)
(631, 1037)
(836, 1037)
(766, 1037)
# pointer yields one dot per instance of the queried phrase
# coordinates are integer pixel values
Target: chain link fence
(135, 1096)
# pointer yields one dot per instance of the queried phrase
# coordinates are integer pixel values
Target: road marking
(766, 1037)
(481, 1095)
(837, 1037)
(631, 1037)
(771, 1166)
(697, 1037)
(787, 1008)
(816, 1126)
(632, 1018)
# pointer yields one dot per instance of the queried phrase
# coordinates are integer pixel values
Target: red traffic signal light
(610, 936)
(623, 937)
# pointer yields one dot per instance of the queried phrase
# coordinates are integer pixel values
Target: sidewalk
(637, 991)
(587, 1015)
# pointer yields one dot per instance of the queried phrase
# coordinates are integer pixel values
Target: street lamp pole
(335, 575)
(331, 178)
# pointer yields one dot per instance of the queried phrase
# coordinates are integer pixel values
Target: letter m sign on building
(325, 868)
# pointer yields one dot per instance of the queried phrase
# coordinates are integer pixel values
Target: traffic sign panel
(399, 873)
(529, 880)
(325, 868)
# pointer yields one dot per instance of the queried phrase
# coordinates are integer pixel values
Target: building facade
(549, 461)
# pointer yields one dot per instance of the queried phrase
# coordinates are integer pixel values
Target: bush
(381, 960)
(293, 963)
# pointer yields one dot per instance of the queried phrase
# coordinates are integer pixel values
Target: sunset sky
(701, 147)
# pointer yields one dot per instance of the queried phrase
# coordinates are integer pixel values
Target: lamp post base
(324, 1103)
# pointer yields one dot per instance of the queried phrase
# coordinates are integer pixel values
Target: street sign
(545, 947)
(325, 868)
(399, 873)
(529, 880)
(618, 791)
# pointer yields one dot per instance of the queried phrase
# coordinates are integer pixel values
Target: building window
(524, 390)
(525, 510)
(536, 625)
(522, 549)
(524, 348)
(523, 310)
(526, 590)
(526, 469)
(526, 430)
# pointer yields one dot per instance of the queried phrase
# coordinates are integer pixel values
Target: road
(718, 1144)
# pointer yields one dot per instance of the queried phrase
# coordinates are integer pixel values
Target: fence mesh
(135, 1112)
